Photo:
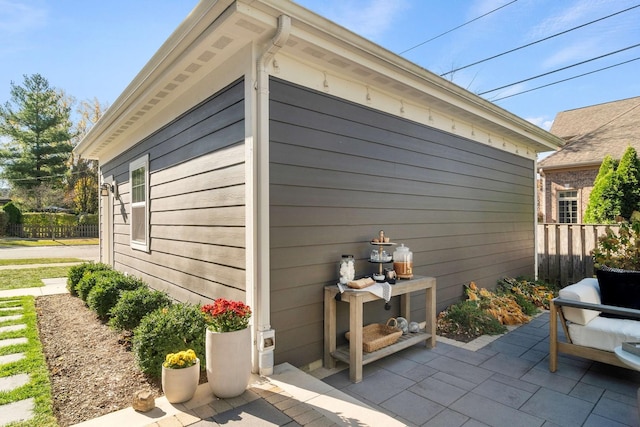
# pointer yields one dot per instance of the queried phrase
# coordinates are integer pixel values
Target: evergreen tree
(616, 190)
(36, 123)
(628, 182)
(603, 206)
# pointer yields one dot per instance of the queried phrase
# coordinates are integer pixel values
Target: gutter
(569, 166)
(265, 336)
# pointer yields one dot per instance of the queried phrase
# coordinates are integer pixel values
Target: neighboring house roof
(595, 131)
(194, 54)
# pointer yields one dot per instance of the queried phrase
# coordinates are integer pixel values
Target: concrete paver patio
(505, 383)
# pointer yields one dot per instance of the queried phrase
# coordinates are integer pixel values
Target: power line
(459, 26)
(564, 80)
(538, 41)
(559, 69)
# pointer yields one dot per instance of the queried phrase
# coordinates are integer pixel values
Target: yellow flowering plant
(181, 359)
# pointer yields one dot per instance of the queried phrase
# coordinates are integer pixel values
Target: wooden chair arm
(620, 311)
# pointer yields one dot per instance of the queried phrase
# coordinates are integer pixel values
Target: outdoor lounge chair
(588, 334)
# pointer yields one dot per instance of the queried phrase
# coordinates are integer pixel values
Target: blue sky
(95, 48)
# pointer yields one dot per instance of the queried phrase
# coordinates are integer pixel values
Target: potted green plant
(180, 376)
(228, 347)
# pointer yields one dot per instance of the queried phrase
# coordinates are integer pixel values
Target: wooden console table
(352, 353)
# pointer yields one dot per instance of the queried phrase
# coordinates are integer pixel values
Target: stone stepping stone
(10, 358)
(12, 328)
(10, 308)
(21, 410)
(12, 382)
(9, 301)
(12, 317)
(13, 341)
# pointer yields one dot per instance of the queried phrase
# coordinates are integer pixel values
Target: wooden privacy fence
(53, 231)
(564, 251)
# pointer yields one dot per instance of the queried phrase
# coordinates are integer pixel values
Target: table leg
(430, 314)
(329, 329)
(355, 342)
(405, 306)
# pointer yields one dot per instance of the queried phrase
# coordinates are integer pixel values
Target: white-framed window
(139, 182)
(568, 207)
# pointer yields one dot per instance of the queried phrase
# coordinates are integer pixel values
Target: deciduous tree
(82, 183)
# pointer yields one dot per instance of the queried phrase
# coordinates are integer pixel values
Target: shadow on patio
(505, 383)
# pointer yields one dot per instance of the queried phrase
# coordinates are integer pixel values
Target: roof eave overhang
(108, 133)
(198, 20)
(571, 166)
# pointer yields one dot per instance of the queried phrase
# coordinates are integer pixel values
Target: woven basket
(376, 336)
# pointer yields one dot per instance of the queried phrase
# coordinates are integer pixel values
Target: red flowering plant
(226, 316)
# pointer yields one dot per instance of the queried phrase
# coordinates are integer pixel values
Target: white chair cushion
(605, 333)
(586, 290)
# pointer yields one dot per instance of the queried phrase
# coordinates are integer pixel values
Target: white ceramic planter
(179, 385)
(228, 362)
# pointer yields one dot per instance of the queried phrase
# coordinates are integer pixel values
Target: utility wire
(459, 26)
(559, 69)
(538, 41)
(564, 80)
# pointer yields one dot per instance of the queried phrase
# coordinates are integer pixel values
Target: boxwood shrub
(76, 273)
(89, 280)
(105, 293)
(168, 330)
(134, 305)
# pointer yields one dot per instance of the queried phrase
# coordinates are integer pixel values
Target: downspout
(265, 336)
(543, 209)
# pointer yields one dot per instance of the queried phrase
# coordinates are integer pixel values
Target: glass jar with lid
(347, 269)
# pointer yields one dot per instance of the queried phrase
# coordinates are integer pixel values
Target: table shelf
(405, 341)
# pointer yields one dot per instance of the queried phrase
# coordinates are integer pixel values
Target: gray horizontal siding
(340, 172)
(196, 202)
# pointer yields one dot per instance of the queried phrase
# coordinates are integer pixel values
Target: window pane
(138, 224)
(568, 207)
(138, 186)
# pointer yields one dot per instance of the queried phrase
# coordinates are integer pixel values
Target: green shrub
(134, 305)
(76, 273)
(620, 249)
(88, 219)
(106, 292)
(527, 306)
(88, 281)
(45, 219)
(168, 330)
(467, 319)
(13, 212)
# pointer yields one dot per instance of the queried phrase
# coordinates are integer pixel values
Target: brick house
(567, 176)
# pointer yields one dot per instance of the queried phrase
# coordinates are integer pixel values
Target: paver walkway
(23, 409)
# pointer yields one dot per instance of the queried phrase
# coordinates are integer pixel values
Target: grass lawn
(33, 364)
(29, 277)
(9, 241)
